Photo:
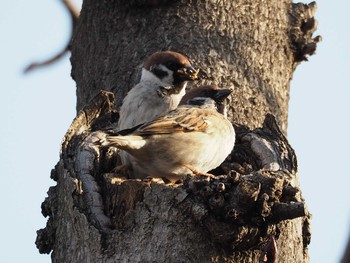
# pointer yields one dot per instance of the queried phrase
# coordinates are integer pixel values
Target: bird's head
(207, 95)
(171, 68)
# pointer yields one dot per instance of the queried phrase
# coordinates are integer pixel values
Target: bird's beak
(222, 94)
(191, 73)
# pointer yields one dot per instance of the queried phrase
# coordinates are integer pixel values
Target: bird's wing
(179, 120)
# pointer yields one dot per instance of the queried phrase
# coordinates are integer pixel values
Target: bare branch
(74, 13)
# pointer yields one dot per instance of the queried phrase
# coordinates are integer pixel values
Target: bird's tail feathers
(123, 142)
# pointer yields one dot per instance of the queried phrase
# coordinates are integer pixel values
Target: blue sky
(37, 109)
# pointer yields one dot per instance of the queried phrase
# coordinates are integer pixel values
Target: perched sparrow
(162, 85)
(193, 138)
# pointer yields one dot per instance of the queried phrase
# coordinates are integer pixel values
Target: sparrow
(192, 139)
(162, 85)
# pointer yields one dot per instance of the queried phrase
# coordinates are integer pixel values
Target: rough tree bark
(252, 46)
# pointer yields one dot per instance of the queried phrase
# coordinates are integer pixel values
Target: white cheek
(148, 76)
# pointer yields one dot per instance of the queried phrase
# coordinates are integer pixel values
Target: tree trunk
(252, 46)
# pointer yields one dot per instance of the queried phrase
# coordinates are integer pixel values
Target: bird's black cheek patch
(159, 73)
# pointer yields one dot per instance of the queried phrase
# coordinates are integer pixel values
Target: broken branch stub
(303, 25)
